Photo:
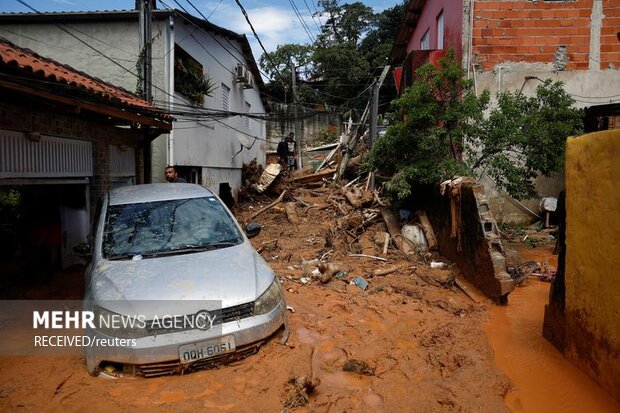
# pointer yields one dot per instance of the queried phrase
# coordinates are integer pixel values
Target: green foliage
(349, 52)
(525, 136)
(278, 66)
(190, 82)
(326, 136)
(442, 131)
(425, 146)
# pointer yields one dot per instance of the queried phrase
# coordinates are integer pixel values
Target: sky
(275, 21)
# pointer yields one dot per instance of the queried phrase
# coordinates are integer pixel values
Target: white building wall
(218, 143)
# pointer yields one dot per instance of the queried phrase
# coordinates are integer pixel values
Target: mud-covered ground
(410, 341)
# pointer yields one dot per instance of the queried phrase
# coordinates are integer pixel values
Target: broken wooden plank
(368, 256)
(463, 286)
(427, 228)
(274, 203)
(312, 178)
(386, 244)
(385, 271)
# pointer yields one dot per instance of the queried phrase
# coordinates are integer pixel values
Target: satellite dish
(244, 141)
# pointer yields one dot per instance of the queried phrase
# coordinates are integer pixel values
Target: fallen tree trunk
(427, 228)
(397, 237)
(291, 214)
(385, 271)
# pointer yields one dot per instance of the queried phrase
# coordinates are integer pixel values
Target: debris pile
(357, 238)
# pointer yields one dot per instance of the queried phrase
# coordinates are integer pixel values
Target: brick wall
(20, 118)
(532, 31)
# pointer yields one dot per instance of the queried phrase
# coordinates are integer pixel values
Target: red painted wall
(453, 25)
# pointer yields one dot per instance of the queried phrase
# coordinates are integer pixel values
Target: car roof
(134, 194)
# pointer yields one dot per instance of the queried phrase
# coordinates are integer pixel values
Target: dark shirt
(282, 149)
(180, 180)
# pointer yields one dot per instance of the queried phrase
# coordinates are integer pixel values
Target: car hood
(232, 275)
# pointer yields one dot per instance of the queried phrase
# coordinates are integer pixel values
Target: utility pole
(298, 128)
(146, 12)
(353, 138)
(374, 111)
(145, 8)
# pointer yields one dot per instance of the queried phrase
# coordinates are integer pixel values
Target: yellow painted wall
(593, 256)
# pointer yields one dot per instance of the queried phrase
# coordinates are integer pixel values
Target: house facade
(211, 138)
(65, 138)
(514, 45)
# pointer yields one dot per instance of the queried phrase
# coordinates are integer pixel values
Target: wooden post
(394, 230)
(427, 228)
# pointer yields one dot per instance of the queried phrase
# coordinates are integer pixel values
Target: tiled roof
(29, 63)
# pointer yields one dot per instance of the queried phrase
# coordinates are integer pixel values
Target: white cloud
(274, 25)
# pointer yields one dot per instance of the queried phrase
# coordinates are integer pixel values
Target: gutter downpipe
(171, 87)
(471, 37)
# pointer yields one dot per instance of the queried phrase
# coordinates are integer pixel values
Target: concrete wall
(311, 126)
(592, 307)
(477, 248)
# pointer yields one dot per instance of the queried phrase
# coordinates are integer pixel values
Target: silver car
(174, 285)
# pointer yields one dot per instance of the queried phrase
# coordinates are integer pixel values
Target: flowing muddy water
(543, 380)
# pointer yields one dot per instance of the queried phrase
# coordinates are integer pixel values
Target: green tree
(441, 131)
(351, 49)
(278, 66)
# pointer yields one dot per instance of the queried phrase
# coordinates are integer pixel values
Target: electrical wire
(318, 27)
(301, 20)
(247, 18)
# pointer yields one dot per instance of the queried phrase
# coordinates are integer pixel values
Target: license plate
(206, 349)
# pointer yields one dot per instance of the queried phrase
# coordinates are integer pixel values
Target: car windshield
(169, 227)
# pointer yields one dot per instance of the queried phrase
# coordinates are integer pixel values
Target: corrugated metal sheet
(50, 157)
(122, 161)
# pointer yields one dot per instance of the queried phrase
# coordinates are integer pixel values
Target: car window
(168, 227)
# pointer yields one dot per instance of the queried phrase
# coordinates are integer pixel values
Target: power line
(247, 18)
(312, 16)
(301, 20)
(211, 14)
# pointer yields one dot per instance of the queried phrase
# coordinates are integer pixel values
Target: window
(189, 77)
(225, 97)
(248, 109)
(425, 43)
(440, 31)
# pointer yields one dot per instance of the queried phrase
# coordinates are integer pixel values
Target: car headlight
(269, 299)
(118, 325)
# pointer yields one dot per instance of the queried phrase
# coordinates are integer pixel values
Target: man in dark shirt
(171, 175)
(282, 153)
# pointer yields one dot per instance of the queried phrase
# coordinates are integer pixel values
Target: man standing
(283, 153)
(291, 148)
(171, 175)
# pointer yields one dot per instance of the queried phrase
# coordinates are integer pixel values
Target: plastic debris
(360, 282)
(438, 264)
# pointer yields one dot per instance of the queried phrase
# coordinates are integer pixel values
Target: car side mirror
(253, 229)
(83, 250)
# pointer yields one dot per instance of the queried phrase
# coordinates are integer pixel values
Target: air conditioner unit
(249, 83)
(241, 73)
